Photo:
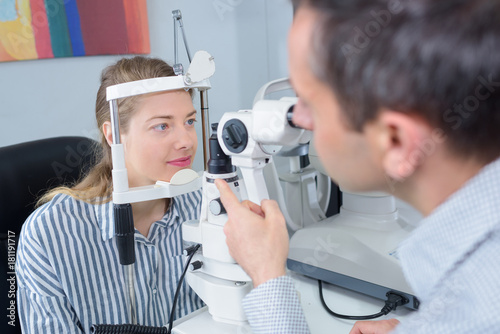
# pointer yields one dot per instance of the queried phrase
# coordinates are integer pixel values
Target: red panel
(41, 31)
(137, 25)
(103, 24)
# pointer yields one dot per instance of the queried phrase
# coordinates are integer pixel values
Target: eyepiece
(219, 162)
(289, 115)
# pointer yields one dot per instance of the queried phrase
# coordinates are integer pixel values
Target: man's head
(436, 59)
(425, 73)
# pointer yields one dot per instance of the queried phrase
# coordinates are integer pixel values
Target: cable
(393, 300)
(138, 329)
(190, 251)
(127, 329)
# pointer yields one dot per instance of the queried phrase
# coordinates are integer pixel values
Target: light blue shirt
(69, 275)
(452, 262)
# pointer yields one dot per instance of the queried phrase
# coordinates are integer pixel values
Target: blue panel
(75, 31)
(8, 10)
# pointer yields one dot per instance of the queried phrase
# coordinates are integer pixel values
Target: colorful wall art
(36, 29)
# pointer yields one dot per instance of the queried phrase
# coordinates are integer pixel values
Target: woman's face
(161, 138)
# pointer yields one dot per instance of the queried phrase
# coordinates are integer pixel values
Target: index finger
(227, 197)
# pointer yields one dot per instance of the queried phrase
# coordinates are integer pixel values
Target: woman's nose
(185, 139)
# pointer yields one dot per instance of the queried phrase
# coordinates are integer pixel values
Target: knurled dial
(216, 208)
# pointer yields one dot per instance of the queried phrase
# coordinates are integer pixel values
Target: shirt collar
(452, 230)
(104, 214)
(105, 217)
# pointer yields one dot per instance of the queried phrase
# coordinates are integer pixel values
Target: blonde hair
(96, 186)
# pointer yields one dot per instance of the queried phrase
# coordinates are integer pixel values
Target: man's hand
(374, 327)
(256, 235)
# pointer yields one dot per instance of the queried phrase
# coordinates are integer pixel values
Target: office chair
(27, 170)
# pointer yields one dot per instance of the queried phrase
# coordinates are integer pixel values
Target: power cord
(190, 252)
(126, 329)
(392, 302)
(138, 329)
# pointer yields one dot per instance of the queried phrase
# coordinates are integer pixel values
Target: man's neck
(436, 179)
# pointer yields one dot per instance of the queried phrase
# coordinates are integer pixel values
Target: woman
(68, 271)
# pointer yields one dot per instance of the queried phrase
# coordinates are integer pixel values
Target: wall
(55, 97)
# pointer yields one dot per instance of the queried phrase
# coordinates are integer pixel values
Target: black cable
(393, 300)
(191, 251)
(127, 329)
(138, 329)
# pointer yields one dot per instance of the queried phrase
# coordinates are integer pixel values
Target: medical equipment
(354, 249)
(250, 138)
(200, 69)
(179, 70)
(214, 275)
(348, 250)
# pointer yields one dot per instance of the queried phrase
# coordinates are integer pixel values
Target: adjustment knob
(235, 135)
(195, 265)
(216, 208)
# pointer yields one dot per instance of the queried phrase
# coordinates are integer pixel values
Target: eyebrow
(171, 117)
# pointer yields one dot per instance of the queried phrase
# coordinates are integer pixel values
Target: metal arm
(177, 16)
(179, 70)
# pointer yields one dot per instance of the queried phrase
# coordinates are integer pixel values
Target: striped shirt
(69, 275)
(451, 261)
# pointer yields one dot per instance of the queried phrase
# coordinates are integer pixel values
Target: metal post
(205, 122)
(115, 121)
(176, 51)
(129, 269)
(129, 277)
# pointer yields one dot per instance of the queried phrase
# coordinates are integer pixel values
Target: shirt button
(154, 290)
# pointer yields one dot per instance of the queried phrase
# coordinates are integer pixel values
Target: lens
(289, 115)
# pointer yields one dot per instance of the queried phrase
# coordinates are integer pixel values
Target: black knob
(196, 265)
(235, 135)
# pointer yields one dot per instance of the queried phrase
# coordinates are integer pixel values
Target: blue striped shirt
(69, 275)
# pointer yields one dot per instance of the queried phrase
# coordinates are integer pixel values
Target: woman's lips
(181, 162)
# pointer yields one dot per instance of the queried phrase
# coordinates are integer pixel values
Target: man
(403, 97)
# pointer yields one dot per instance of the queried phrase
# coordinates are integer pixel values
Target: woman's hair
(96, 185)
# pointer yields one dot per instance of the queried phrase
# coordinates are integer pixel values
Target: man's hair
(438, 60)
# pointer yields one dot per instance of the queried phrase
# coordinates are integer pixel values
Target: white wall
(55, 97)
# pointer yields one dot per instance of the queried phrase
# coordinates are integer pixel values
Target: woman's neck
(146, 213)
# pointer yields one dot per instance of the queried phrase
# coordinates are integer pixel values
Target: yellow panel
(17, 39)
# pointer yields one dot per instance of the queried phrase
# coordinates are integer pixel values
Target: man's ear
(402, 137)
(106, 129)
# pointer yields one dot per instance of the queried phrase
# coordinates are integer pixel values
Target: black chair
(27, 170)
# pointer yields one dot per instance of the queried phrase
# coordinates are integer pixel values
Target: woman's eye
(191, 121)
(160, 127)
